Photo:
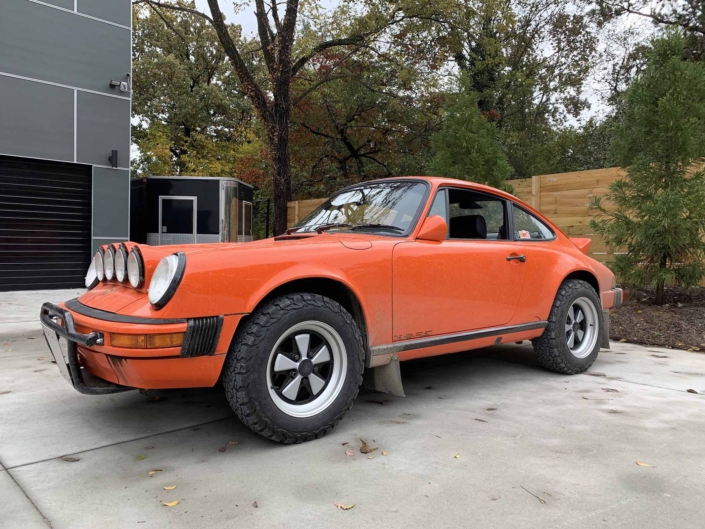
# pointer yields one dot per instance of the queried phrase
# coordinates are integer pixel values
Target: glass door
(177, 220)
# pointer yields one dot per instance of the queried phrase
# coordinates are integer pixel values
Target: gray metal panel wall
(55, 45)
(36, 120)
(102, 125)
(116, 11)
(56, 64)
(111, 200)
(66, 4)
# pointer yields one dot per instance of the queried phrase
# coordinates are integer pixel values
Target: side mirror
(434, 228)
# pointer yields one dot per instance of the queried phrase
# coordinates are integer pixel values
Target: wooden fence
(564, 198)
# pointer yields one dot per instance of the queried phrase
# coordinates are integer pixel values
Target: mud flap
(386, 378)
(605, 329)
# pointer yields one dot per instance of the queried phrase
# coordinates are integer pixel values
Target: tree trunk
(661, 284)
(278, 137)
(660, 288)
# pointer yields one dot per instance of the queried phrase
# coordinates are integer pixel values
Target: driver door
(461, 284)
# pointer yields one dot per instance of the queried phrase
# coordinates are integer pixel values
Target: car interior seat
(468, 227)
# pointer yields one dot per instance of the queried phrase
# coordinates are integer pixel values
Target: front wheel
(571, 342)
(295, 367)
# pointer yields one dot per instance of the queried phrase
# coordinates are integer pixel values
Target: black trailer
(190, 209)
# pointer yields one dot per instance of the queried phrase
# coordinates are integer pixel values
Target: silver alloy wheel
(581, 327)
(307, 369)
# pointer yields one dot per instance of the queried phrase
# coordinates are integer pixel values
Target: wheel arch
(330, 288)
(586, 276)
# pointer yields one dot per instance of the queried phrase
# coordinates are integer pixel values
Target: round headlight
(98, 263)
(121, 263)
(166, 279)
(109, 262)
(135, 268)
(91, 276)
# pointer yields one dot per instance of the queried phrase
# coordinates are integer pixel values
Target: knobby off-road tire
(552, 347)
(249, 376)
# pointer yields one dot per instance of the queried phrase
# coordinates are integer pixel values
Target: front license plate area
(59, 348)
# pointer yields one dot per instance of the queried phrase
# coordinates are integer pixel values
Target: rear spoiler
(583, 244)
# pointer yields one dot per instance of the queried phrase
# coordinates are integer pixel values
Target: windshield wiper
(326, 227)
(318, 229)
(376, 227)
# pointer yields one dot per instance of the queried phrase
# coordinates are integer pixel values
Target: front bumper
(79, 339)
(62, 338)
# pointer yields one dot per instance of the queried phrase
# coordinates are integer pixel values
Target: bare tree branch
(173, 8)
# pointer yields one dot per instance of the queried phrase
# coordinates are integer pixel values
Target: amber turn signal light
(147, 341)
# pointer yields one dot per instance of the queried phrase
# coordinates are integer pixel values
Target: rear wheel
(571, 342)
(295, 367)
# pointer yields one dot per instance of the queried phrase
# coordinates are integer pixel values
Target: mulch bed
(678, 324)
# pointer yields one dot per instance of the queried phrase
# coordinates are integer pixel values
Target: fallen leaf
(40, 358)
(457, 456)
(152, 472)
(480, 420)
(623, 340)
(222, 449)
(365, 448)
(610, 390)
(70, 459)
(254, 504)
(693, 391)
(170, 487)
(344, 507)
(349, 453)
(371, 457)
(541, 500)
(384, 453)
(380, 402)
(140, 458)
(171, 503)
(642, 464)
(5, 392)
(345, 443)
(595, 374)
(233, 442)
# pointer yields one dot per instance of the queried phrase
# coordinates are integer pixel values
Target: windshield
(383, 207)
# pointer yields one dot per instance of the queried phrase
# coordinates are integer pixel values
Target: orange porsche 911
(384, 271)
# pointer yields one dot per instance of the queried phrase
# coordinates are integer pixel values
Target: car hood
(357, 241)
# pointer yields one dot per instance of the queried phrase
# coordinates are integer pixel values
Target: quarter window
(528, 227)
(439, 205)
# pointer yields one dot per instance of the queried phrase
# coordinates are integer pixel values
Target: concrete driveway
(484, 439)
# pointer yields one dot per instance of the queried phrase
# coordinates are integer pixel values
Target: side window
(528, 227)
(475, 215)
(439, 205)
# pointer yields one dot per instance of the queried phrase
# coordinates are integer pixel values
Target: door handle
(520, 258)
